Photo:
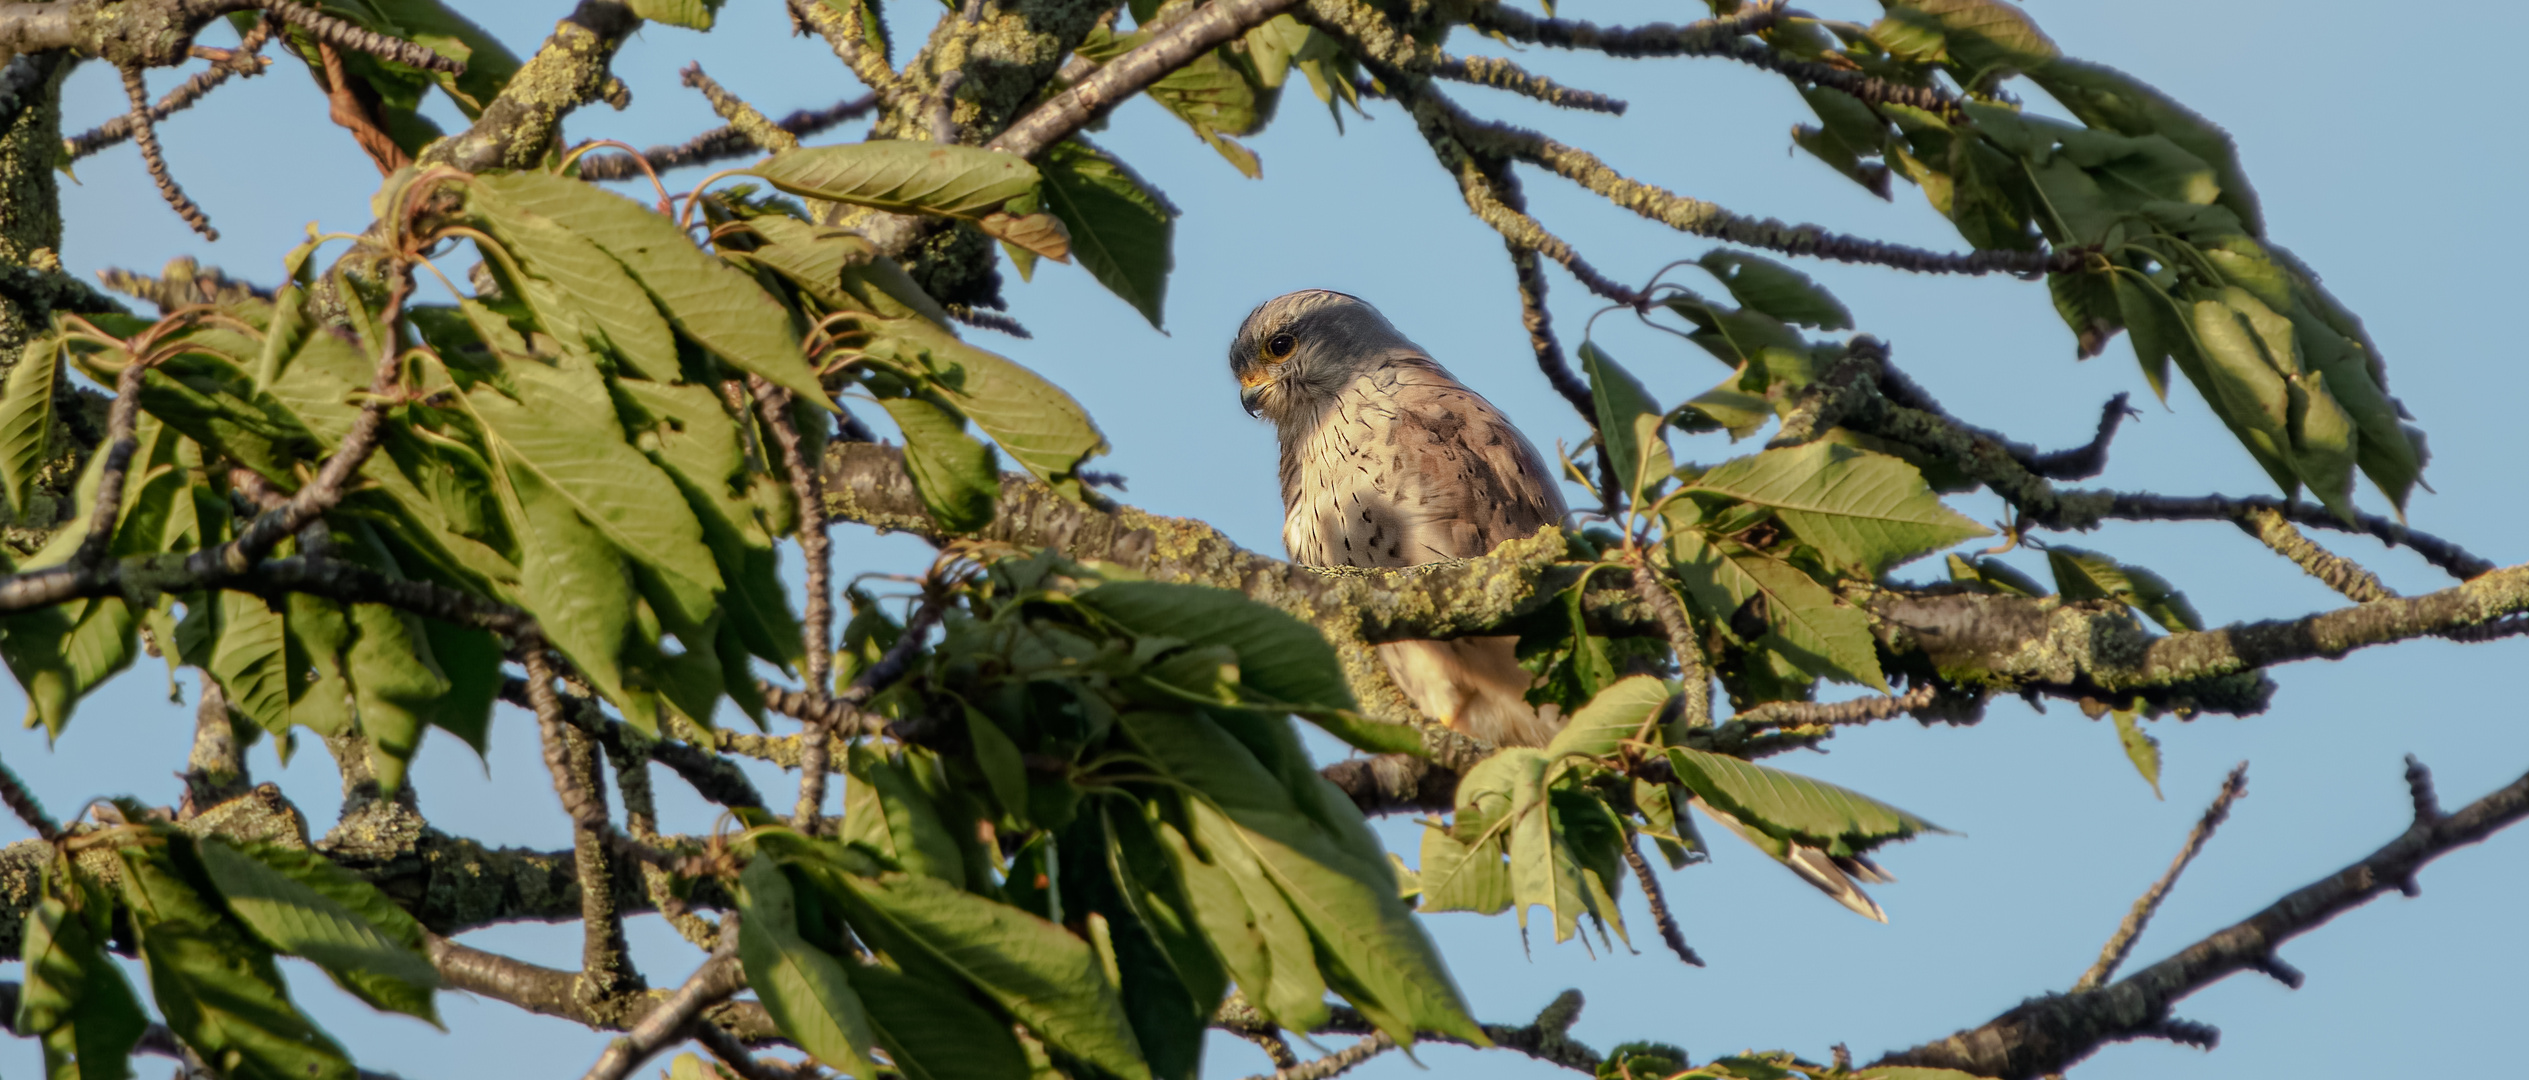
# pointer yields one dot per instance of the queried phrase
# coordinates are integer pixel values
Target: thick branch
(2049, 1034)
(569, 71)
(1700, 38)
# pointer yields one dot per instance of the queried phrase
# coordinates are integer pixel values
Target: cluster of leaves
(206, 917)
(1122, 826)
(2180, 257)
(574, 441)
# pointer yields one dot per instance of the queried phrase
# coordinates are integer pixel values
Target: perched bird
(1387, 461)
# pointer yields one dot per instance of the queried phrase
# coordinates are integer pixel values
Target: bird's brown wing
(1465, 480)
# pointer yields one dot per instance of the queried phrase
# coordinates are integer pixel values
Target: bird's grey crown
(1328, 326)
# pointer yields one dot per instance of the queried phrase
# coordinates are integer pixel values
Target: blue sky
(2382, 159)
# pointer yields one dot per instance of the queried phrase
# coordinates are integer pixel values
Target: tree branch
(2122, 942)
(721, 143)
(2052, 1033)
(716, 981)
(1128, 74)
(1504, 75)
(570, 70)
(549, 992)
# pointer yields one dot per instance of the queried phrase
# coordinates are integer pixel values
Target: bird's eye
(1279, 347)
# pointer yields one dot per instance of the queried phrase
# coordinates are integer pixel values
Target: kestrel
(1387, 461)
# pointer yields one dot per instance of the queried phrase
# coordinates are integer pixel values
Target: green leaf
(804, 988)
(1640, 462)
(932, 1033)
(26, 418)
(716, 305)
(958, 478)
(1282, 660)
(1463, 876)
(217, 987)
(2104, 97)
(840, 269)
(903, 176)
(1122, 231)
(396, 684)
(1261, 945)
(563, 429)
(74, 999)
(292, 917)
(688, 431)
(575, 287)
(1864, 512)
(2087, 575)
(1761, 284)
(2245, 386)
(1993, 575)
(1616, 714)
(1806, 622)
(574, 582)
(1311, 843)
(1792, 807)
(885, 809)
(691, 14)
(1981, 37)
(2140, 748)
(1035, 422)
(1037, 971)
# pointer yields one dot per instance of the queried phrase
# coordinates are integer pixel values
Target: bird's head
(1295, 352)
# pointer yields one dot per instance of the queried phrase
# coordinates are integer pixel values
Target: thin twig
(743, 118)
(2121, 943)
(145, 132)
(840, 714)
(807, 488)
(245, 60)
(1658, 900)
(719, 978)
(122, 442)
(2089, 459)
(24, 804)
(2052, 1033)
(1503, 75)
(1654, 593)
(1699, 38)
(338, 33)
(841, 27)
(721, 143)
(1337, 1063)
(2335, 571)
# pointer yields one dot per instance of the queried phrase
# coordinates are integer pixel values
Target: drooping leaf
(1281, 660)
(1864, 512)
(958, 478)
(1993, 575)
(884, 808)
(74, 999)
(1639, 456)
(2140, 748)
(1035, 422)
(576, 286)
(218, 987)
(292, 917)
(2087, 575)
(1616, 714)
(1762, 284)
(903, 176)
(26, 418)
(709, 301)
(1037, 971)
(1791, 806)
(1121, 229)
(804, 988)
